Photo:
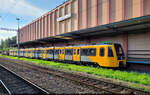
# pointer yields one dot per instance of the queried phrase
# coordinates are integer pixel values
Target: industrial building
(80, 22)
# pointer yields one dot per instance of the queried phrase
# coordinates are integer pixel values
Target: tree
(8, 42)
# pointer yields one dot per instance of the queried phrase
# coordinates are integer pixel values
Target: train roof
(76, 46)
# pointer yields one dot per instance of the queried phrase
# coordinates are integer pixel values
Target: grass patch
(134, 77)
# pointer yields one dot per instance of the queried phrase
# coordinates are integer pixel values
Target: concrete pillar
(125, 44)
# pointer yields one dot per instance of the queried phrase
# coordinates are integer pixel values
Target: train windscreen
(119, 51)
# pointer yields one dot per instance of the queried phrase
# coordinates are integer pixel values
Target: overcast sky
(26, 10)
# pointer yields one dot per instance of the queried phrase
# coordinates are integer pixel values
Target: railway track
(97, 84)
(3, 88)
(11, 83)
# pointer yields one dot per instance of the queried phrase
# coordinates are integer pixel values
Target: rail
(16, 84)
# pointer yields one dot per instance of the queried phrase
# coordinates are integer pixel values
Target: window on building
(61, 12)
(67, 9)
(67, 25)
(102, 52)
(110, 52)
(61, 27)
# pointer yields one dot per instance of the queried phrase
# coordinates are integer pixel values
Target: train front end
(121, 60)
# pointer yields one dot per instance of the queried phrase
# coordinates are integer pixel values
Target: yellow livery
(105, 55)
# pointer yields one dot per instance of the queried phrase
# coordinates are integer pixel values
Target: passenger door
(102, 54)
(44, 54)
(61, 54)
(76, 54)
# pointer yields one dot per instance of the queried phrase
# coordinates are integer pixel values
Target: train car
(62, 54)
(106, 55)
(49, 53)
(68, 53)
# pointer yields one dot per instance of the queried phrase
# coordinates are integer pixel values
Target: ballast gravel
(46, 81)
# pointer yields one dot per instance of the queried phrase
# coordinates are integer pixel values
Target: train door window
(102, 52)
(78, 51)
(60, 51)
(92, 52)
(74, 51)
(110, 52)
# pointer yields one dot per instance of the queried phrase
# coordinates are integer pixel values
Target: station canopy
(131, 26)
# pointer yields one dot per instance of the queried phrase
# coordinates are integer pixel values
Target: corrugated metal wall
(84, 14)
(139, 45)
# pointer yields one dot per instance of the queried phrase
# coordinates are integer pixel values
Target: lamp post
(18, 33)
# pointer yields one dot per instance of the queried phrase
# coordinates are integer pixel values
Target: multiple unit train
(105, 55)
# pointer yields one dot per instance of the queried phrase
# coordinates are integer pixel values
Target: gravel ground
(49, 82)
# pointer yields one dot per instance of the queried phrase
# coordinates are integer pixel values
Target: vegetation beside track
(133, 77)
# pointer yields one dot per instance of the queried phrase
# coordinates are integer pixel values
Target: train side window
(110, 52)
(78, 51)
(102, 52)
(84, 52)
(92, 52)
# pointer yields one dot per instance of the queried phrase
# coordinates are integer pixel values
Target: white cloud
(5, 34)
(20, 7)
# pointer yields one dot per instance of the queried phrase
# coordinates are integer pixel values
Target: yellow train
(105, 55)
